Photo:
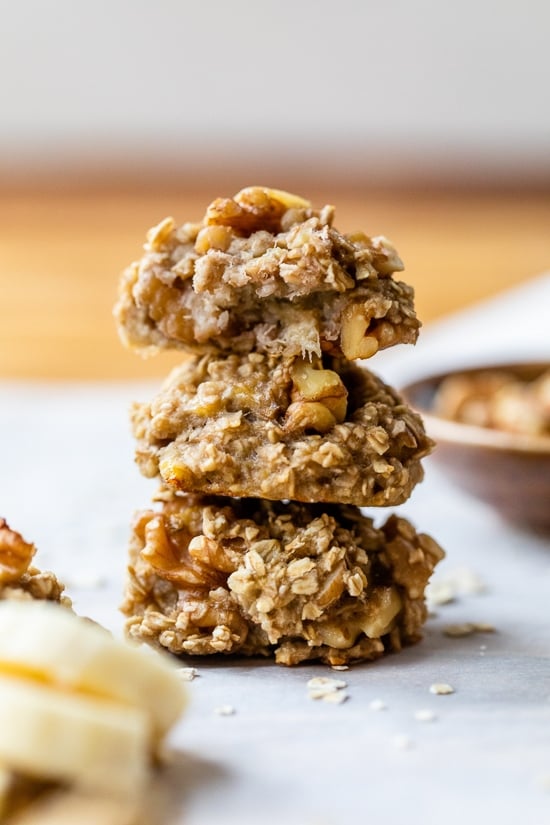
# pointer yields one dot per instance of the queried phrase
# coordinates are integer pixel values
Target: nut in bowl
(491, 425)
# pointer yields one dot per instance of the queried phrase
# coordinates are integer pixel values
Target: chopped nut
(19, 580)
(497, 399)
(159, 234)
(15, 554)
(213, 237)
(253, 195)
(312, 384)
(425, 715)
(353, 339)
(309, 415)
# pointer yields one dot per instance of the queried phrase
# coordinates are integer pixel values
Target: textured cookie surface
(257, 425)
(19, 579)
(211, 575)
(265, 271)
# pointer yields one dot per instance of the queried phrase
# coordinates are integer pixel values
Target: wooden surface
(61, 253)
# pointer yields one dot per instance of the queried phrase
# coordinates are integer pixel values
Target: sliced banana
(5, 786)
(54, 735)
(74, 807)
(48, 643)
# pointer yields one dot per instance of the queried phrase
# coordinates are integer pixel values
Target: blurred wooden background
(61, 253)
(412, 118)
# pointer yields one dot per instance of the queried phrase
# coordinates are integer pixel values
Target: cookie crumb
(425, 715)
(336, 698)
(224, 710)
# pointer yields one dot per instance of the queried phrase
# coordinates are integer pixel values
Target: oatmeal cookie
(257, 425)
(297, 581)
(265, 271)
(18, 578)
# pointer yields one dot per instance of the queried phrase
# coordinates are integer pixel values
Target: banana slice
(92, 742)
(74, 807)
(48, 643)
(5, 785)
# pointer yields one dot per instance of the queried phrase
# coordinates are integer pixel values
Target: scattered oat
(402, 742)
(336, 698)
(467, 629)
(425, 715)
(441, 688)
(326, 684)
(455, 631)
(461, 581)
(439, 592)
(187, 674)
(330, 690)
(225, 710)
(377, 704)
(484, 627)
(339, 667)
(467, 581)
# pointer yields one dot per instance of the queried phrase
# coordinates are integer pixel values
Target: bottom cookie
(254, 577)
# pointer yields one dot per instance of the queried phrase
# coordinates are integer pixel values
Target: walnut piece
(497, 399)
(15, 554)
(258, 577)
(20, 580)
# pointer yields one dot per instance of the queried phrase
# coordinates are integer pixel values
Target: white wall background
(370, 87)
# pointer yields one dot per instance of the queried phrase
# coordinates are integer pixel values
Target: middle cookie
(259, 425)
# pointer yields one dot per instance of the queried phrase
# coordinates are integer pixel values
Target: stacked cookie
(269, 438)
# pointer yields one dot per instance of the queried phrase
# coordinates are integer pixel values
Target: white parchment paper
(68, 483)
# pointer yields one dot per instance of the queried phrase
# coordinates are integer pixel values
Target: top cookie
(265, 271)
